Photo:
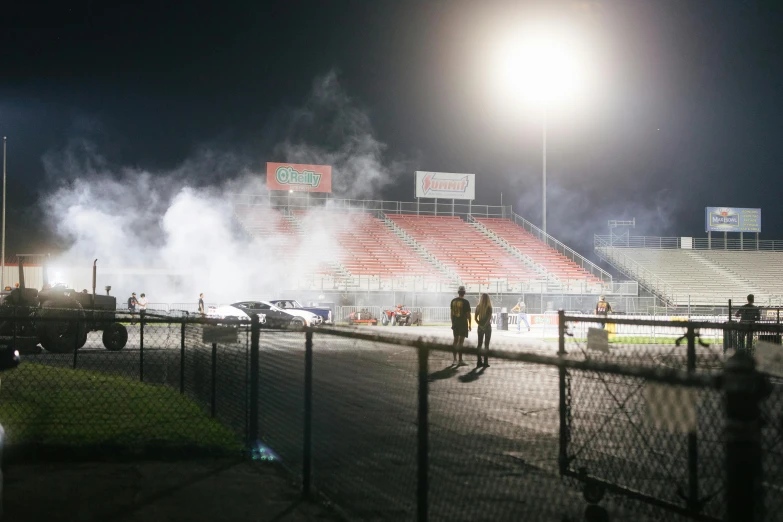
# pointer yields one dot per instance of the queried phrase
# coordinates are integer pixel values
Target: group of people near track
(461, 324)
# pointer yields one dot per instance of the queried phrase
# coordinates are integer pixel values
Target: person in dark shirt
(201, 304)
(460, 323)
(603, 308)
(132, 306)
(748, 314)
(483, 328)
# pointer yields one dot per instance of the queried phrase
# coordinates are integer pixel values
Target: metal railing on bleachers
(697, 243)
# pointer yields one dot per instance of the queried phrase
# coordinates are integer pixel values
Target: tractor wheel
(115, 337)
(61, 325)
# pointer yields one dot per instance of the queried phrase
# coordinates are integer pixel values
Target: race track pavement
(493, 433)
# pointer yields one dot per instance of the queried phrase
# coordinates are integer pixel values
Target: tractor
(58, 318)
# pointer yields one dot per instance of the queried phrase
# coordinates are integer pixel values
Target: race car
(268, 314)
(363, 316)
(324, 314)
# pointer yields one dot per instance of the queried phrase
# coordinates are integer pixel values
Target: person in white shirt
(142, 302)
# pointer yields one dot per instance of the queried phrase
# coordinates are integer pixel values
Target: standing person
(132, 306)
(142, 303)
(201, 304)
(603, 308)
(748, 314)
(460, 323)
(483, 328)
(132, 303)
(520, 310)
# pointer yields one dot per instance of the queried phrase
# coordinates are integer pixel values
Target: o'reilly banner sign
(295, 176)
(445, 185)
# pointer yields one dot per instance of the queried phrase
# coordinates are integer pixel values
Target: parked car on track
(268, 314)
(324, 314)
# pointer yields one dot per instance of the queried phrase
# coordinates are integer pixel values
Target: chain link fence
(630, 419)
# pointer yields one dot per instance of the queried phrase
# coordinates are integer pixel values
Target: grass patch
(46, 406)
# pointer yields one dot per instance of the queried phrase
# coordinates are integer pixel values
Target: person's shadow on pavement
(472, 375)
(445, 373)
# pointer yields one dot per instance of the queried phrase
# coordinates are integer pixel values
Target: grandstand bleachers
(369, 247)
(473, 256)
(553, 261)
(762, 270)
(452, 247)
(709, 277)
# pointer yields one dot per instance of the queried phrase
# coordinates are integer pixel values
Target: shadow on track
(472, 375)
(445, 373)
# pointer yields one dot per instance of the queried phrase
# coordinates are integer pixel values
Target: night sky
(688, 112)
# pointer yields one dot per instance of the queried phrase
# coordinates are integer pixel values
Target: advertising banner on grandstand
(445, 185)
(730, 219)
(302, 178)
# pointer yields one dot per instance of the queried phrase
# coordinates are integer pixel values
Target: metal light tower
(618, 223)
(543, 209)
(2, 254)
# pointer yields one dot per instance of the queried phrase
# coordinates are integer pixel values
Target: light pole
(543, 189)
(541, 65)
(2, 261)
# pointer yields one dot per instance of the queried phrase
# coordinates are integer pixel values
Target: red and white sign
(445, 185)
(295, 176)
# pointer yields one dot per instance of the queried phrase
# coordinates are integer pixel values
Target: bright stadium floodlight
(542, 66)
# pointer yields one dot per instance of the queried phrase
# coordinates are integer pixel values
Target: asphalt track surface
(493, 433)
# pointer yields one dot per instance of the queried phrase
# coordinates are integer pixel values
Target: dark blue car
(292, 304)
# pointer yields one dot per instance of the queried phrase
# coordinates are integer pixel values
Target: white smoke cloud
(172, 234)
(346, 142)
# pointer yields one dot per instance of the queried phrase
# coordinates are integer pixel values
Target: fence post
(14, 334)
(308, 414)
(744, 388)
(252, 436)
(182, 359)
(213, 392)
(423, 435)
(693, 500)
(141, 346)
(76, 343)
(561, 352)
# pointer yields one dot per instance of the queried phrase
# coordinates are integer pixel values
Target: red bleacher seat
(462, 248)
(553, 261)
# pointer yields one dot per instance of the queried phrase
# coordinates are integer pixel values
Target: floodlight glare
(538, 65)
(542, 65)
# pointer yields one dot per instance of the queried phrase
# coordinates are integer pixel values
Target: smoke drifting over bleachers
(435, 253)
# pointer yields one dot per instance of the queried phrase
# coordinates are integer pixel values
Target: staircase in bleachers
(369, 248)
(475, 258)
(553, 262)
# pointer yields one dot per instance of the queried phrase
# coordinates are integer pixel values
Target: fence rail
(695, 243)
